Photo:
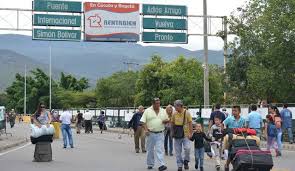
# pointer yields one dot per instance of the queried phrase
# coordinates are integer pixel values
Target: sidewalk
(20, 135)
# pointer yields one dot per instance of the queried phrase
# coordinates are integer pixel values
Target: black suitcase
(43, 152)
(252, 160)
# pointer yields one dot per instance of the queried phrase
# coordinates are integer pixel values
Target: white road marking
(18, 148)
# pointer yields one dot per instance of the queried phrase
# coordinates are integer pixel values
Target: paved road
(100, 153)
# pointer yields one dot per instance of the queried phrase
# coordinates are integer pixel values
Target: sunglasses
(42, 107)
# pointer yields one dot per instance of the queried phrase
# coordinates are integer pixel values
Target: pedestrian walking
(43, 150)
(271, 134)
(101, 121)
(182, 133)
(275, 114)
(199, 137)
(216, 133)
(65, 119)
(138, 130)
(286, 115)
(168, 142)
(216, 112)
(235, 120)
(254, 120)
(11, 117)
(226, 114)
(88, 121)
(79, 122)
(56, 124)
(154, 119)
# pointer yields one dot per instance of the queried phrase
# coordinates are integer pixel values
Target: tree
(3, 99)
(179, 79)
(118, 90)
(262, 60)
(69, 82)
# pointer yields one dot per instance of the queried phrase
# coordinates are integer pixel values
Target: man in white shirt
(88, 121)
(65, 119)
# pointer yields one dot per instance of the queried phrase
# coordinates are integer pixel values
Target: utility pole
(206, 68)
(129, 64)
(25, 92)
(225, 53)
(50, 78)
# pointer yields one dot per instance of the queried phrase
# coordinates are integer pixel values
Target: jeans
(199, 156)
(279, 139)
(290, 134)
(155, 143)
(168, 139)
(67, 134)
(178, 144)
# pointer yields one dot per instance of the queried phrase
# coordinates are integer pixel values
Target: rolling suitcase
(252, 160)
(43, 152)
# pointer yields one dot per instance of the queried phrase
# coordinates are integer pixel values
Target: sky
(195, 7)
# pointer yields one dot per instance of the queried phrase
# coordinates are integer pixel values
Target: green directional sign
(164, 23)
(164, 10)
(56, 34)
(57, 6)
(57, 20)
(164, 37)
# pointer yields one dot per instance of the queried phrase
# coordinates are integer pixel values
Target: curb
(15, 144)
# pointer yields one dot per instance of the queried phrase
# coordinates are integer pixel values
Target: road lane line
(18, 148)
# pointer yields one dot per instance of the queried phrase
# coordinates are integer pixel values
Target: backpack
(271, 130)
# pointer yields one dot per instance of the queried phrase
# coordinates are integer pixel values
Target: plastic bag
(37, 132)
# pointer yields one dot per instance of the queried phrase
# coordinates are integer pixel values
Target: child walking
(199, 137)
(216, 133)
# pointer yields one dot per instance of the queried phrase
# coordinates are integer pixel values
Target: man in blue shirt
(138, 129)
(286, 116)
(235, 120)
(254, 120)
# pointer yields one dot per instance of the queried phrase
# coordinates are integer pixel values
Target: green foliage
(116, 90)
(38, 91)
(3, 99)
(179, 79)
(69, 82)
(262, 61)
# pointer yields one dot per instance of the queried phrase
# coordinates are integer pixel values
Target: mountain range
(92, 60)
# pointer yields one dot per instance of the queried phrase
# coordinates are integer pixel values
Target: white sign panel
(111, 22)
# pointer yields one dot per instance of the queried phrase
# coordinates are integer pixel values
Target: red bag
(247, 131)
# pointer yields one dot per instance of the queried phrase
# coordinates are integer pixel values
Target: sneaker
(166, 153)
(137, 151)
(186, 167)
(150, 168)
(72, 146)
(162, 168)
(291, 142)
(179, 169)
(196, 166)
(143, 151)
(279, 153)
(217, 167)
(201, 169)
(171, 154)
